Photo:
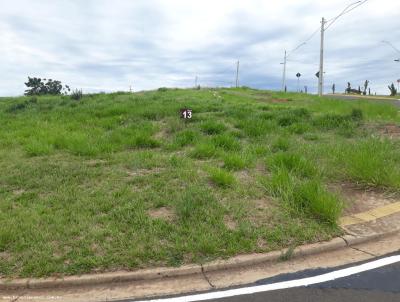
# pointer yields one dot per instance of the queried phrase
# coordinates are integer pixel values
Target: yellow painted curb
(370, 215)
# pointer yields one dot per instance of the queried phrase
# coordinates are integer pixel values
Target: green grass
(222, 178)
(81, 180)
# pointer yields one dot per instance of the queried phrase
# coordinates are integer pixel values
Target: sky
(104, 45)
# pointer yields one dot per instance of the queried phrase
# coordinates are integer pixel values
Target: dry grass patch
(230, 223)
(359, 200)
(163, 213)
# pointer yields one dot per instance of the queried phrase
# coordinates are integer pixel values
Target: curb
(187, 270)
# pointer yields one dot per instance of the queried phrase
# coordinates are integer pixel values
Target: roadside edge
(188, 270)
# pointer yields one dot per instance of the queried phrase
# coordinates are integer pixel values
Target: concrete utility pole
(321, 61)
(284, 72)
(237, 74)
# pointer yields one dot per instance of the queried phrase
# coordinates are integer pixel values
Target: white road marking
(286, 284)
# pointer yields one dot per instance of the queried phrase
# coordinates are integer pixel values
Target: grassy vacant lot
(119, 181)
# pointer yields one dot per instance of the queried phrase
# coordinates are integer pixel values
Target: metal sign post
(298, 75)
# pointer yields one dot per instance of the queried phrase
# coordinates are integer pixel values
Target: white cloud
(110, 45)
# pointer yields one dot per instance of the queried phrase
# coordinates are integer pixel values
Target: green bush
(185, 137)
(312, 198)
(256, 127)
(38, 148)
(290, 116)
(281, 144)
(234, 162)
(293, 163)
(371, 162)
(22, 106)
(76, 94)
(332, 121)
(305, 197)
(221, 177)
(211, 127)
(226, 142)
(356, 115)
(145, 141)
(203, 151)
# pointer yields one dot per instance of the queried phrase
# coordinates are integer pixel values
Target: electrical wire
(347, 10)
(391, 45)
(303, 43)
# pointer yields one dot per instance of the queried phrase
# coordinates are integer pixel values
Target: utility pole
(321, 61)
(195, 82)
(237, 74)
(284, 72)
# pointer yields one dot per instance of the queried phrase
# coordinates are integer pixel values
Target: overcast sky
(105, 45)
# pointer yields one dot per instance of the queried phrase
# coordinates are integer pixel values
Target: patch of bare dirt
(261, 211)
(262, 204)
(5, 256)
(262, 243)
(163, 133)
(19, 192)
(230, 223)
(95, 162)
(162, 213)
(144, 172)
(279, 100)
(360, 200)
(97, 249)
(243, 176)
(391, 130)
(260, 167)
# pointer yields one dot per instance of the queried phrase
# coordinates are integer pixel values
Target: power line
(391, 45)
(347, 10)
(304, 43)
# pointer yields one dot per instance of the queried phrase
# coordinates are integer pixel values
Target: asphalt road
(380, 284)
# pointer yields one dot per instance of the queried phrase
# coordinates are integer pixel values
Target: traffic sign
(298, 75)
(317, 74)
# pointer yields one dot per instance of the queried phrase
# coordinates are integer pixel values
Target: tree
(369, 91)
(333, 88)
(393, 90)
(348, 87)
(37, 86)
(365, 87)
(359, 89)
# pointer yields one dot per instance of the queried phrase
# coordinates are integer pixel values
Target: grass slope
(120, 181)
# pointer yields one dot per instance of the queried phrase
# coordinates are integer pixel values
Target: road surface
(371, 281)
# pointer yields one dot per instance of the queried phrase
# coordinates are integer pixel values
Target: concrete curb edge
(159, 273)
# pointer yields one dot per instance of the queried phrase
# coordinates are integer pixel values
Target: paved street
(361, 284)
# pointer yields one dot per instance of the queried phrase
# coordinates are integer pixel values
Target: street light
(392, 46)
